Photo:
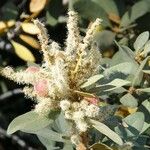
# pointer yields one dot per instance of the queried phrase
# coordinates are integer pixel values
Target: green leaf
(135, 121)
(144, 90)
(129, 101)
(141, 41)
(125, 54)
(146, 71)
(107, 131)
(61, 125)
(145, 127)
(9, 11)
(108, 5)
(145, 108)
(131, 126)
(68, 147)
(50, 19)
(125, 68)
(146, 48)
(104, 39)
(137, 10)
(49, 144)
(100, 146)
(138, 75)
(49, 134)
(51, 14)
(92, 80)
(28, 122)
(90, 10)
(116, 82)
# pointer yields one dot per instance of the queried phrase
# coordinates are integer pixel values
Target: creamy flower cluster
(79, 112)
(53, 84)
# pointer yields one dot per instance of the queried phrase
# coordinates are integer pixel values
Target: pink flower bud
(41, 88)
(92, 100)
(32, 69)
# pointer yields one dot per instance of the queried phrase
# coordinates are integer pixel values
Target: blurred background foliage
(123, 20)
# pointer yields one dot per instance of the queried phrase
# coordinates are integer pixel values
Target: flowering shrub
(70, 89)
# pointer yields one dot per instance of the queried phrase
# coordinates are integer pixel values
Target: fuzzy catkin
(53, 84)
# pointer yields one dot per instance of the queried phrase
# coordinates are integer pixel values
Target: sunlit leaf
(37, 5)
(28, 122)
(146, 71)
(23, 52)
(30, 40)
(4, 25)
(30, 28)
(106, 131)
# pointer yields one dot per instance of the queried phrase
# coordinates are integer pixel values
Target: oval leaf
(137, 10)
(23, 52)
(49, 134)
(129, 101)
(107, 131)
(108, 5)
(141, 41)
(144, 90)
(92, 80)
(28, 122)
(90, 10)
(30, 28)
(37, 5)
(135, 120)
(117, 83)
(30, 40)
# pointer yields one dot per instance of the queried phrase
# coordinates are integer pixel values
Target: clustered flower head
(56, 83)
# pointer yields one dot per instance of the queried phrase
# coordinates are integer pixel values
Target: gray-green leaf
(137, 10)
(117, 83)
(28, 122)
(90, 10)
(107, 131)
(144, 90)
(92, 80)
(108, 5)
(129, 101)
(136, 121)
(141, 41)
